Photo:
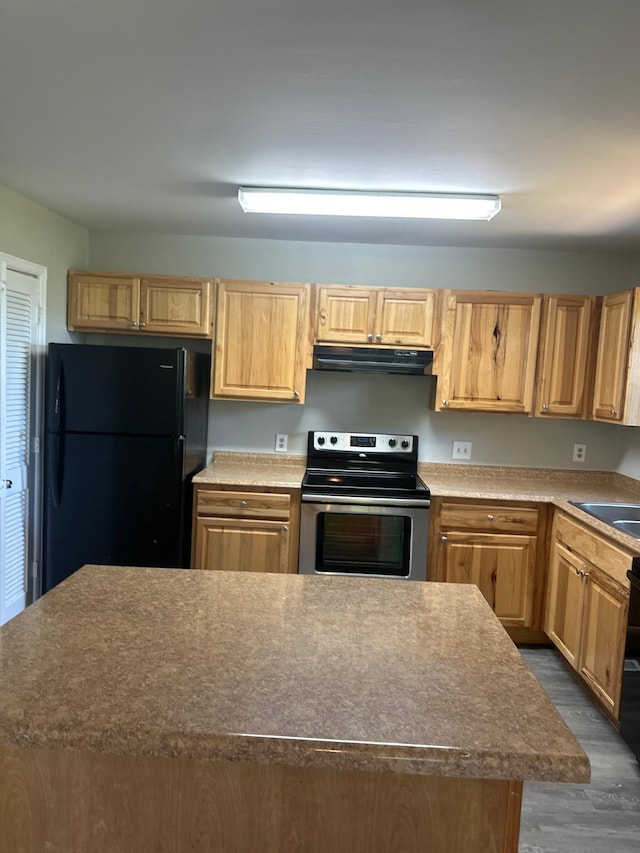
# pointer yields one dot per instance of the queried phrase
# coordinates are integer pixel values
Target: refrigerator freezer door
(121, 390)
(113, 500)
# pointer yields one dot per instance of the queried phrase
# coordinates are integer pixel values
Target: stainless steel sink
(622, 516)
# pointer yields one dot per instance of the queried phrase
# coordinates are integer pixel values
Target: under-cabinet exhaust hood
(378, 359)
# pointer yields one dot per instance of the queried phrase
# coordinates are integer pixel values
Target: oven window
(363, 544)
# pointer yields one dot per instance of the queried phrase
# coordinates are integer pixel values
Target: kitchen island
(168, 710)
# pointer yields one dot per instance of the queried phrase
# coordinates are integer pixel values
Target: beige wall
(35, 234)
(386, 403)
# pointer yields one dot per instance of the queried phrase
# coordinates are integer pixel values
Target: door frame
(34, 533)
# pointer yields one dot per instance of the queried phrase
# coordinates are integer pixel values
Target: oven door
(371, 540)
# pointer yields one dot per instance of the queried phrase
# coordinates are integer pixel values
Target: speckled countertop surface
(266, 470)
(286, 669)
(270, 470)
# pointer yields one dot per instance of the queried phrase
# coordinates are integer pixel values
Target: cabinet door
(103, 302)
(566, 349)
(236, 545)
(346, 314)
(603, 637)
(611, 360)
(262, 341)
(405, 317)
(565, 601)
(489, 353)
(503, 567)
(175, 307)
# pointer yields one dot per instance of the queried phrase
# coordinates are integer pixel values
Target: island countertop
(279, 669)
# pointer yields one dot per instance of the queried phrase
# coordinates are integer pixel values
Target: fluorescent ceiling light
(338, 203)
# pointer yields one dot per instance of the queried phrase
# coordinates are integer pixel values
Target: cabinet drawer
(490, 518)
(242, 504)
(605, 556)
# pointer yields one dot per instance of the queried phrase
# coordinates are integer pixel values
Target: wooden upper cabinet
(616, 395)
(105, 302)
(346, 314)
(489, 350)
(390, 316)
(566, 352)
(158, 305)
(175, 307)
(406, 317)
(262, 343)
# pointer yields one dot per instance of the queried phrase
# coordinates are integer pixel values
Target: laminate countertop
(481, 482)
(279, 669)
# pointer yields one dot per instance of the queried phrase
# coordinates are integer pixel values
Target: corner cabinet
(487, 361)
(495, 546)
(263, 346)
(245, 530)
(587, 605)
(567, 344)
(616, 396)
(390, 316)
(133, 304)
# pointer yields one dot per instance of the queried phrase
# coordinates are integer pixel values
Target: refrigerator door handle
(58, 421)
(56, 467)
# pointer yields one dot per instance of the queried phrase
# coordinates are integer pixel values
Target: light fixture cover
(345, 203)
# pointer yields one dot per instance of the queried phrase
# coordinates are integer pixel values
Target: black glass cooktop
(379, 483)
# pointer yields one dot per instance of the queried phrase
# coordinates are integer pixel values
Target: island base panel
(68, 801)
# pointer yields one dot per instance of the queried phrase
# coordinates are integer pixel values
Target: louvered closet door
(18, 319)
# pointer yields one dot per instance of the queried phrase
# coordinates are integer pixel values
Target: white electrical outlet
(281, 442)
(579, 452)
(461, 450)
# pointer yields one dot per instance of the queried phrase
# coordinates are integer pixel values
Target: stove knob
(321, 440)
(334, 439)
(392, 442)
(404, 443)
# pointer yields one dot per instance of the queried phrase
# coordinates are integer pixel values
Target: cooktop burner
(363, 464)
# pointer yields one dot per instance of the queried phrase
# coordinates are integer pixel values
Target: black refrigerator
(125, 430)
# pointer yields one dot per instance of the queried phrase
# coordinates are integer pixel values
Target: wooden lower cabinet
(503, 567)
(586, 615)
(495, 546)
(245, 531)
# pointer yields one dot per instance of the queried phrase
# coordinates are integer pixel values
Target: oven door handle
(307, 497)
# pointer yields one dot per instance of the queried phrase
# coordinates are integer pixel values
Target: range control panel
(369, 442)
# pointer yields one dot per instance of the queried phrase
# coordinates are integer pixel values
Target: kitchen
(334, 402)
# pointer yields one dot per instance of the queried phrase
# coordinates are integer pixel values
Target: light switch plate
(461, 450)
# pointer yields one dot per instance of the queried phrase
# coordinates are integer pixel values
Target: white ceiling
(147, 115)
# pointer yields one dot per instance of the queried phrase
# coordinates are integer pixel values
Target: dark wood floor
(603, 817)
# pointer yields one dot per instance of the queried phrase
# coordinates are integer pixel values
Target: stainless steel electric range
(365, 510)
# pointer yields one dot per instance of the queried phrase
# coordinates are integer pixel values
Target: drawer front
(489, 518)
(242, 504)
(605, 556)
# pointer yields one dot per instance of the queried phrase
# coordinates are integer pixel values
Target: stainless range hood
(378, 359)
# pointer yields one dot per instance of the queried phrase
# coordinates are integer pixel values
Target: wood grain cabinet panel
(243, 530)
(503, 567)
(262, 341)
(104, 302)
(566, 352)
(181, 307)
(489, 352)
(160, 305)
(405, 317)
(615, 399)
(564, 611)
(587, 606)
(386, 316)
(346, 314)
(495, 546)
(237, 545)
